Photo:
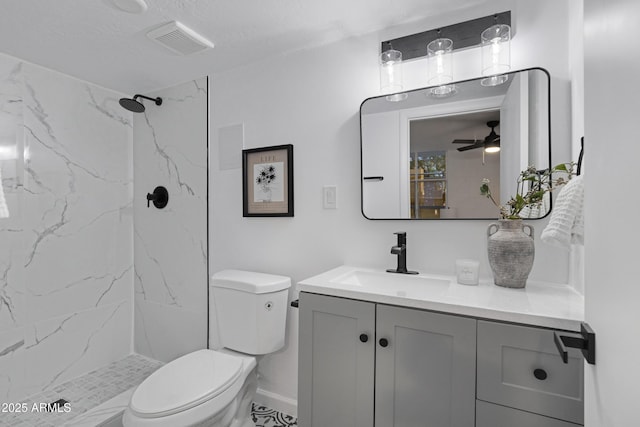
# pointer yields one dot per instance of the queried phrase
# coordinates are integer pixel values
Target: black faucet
(401, 250)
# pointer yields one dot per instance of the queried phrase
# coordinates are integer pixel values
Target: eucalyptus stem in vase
(510, 242)
(533, 184)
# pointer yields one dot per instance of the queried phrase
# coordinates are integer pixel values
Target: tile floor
(266, 417)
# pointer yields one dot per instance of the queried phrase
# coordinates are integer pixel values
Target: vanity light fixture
(496, 54)
(495, 42)
(391, 74)
(440, 67)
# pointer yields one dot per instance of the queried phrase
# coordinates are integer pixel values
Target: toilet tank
(250, 309)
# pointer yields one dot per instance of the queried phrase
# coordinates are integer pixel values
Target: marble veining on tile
(66, 251)
(170, 274)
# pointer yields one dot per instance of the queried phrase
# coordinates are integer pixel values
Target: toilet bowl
(204, 388)
(215, 388)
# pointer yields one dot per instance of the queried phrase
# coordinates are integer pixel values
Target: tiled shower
(72, 298)
(66, 250)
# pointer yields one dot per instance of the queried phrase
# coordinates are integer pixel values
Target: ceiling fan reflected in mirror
(491, 143)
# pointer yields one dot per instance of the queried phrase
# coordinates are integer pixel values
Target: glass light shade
(391, 74)
(440, 62)
(496, 54)
(443, 91)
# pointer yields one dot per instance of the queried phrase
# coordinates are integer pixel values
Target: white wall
(311, 100)
(66, 251)
(612, 150)
(171, 243)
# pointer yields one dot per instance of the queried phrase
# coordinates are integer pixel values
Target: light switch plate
(330, 197)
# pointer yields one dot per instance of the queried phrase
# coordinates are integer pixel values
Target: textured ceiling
(93, 41)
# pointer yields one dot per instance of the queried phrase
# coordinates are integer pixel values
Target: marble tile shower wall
(170, 244)
(66, 251)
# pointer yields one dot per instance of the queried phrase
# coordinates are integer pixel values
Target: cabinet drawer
(520, 367)
(490, 415)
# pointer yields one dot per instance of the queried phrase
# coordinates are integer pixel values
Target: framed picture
(267, 181)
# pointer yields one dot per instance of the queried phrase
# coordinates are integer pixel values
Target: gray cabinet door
(335, 368)
(425, 376)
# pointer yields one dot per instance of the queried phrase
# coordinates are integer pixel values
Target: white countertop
(539, 304)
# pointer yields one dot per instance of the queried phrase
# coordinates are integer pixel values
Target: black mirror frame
(362, 178)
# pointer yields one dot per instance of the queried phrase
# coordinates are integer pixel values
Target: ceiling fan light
(492, 149)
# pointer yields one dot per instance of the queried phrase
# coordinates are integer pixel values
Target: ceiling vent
(179, 39)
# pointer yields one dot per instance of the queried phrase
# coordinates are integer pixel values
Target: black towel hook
(579, 170)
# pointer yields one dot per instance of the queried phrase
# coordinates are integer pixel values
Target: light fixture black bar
(465, 34)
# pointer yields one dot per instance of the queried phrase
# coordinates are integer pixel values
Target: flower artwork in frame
(267, 181)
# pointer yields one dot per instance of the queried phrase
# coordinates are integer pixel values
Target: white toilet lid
(185, 382)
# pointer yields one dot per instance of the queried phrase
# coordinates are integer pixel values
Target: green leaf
(561, 167)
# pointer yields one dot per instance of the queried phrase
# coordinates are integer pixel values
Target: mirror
(425, 157)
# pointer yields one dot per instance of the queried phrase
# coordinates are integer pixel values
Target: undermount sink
(389, 283)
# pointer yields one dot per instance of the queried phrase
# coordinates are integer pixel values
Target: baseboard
(278, 402)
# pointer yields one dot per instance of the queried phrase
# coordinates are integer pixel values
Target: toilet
(215, 388)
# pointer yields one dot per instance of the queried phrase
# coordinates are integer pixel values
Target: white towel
(4, 209)
(566, 225)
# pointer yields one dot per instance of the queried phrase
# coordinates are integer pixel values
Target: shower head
(135, 106)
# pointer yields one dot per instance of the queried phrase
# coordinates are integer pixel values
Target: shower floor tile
(83, 393)
(101, 394)
(267, 417)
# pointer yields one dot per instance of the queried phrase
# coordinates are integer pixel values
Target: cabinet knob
(383, 342)
(364, 337)
(540, 374)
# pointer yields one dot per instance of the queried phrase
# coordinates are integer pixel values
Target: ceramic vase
(511, 252)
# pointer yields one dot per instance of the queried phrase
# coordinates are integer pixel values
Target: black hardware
(295, 303)
(383, 342)
(540, 374)
(364, 337)
(463, 34)
(586, 342)
(401, 250)
(373, 178)
(159, 197)
(135, 106)
(57, 406)
(157, 100)
(579, 170)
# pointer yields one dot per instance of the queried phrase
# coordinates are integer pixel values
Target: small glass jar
(467, 271)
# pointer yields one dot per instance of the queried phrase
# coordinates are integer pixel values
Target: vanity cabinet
(423, 364)
(364, 364)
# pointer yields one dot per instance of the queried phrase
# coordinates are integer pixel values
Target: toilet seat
(185, 383)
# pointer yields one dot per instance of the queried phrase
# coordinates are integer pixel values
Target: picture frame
(267, 181)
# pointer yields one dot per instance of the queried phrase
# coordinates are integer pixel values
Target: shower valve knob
(159, 197)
